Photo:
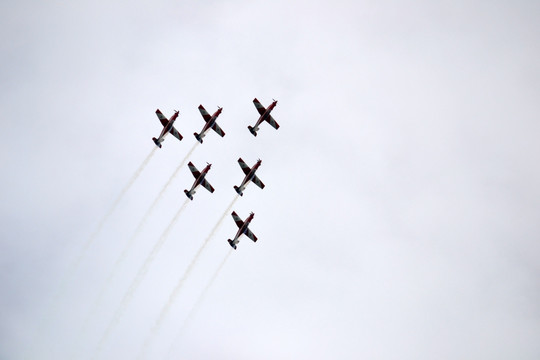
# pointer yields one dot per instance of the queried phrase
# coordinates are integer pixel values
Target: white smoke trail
(120, 196)
(70, 273)
(178, 287)
(130, 242)
(138, 278)
(198, 303)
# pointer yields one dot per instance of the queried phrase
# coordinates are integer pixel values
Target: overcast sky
(400, 217)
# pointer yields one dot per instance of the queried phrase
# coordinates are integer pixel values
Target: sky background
(400, 217)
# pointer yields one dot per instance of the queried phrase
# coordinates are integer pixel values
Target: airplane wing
(176, 133)
(258, 181)
(164, 121)
(194, 170)
(237, 220)
(217, 129)
(207, 185)
(244, 166)
(259, 106)
(250, 235)
(272, 122)
(204, 113)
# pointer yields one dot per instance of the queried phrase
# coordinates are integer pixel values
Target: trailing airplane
(242, 229)
(265, 116)
(167, 127)
(210, 123)
(250, 176)
(200, 179)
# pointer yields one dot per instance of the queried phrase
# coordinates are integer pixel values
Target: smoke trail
(68, 275)
(138, 278)
(130, 242)
(120, 196)
(198, 303)
(160, 195)
(178, 287)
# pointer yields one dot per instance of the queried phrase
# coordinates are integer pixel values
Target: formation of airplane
(242, 229)
(200, 176)
(200, 179)
(210, 124)
(168, 124)
(168, 127)
(250, 176)
(265, 116)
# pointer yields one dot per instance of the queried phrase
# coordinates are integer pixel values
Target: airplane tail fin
(251, 130)
(158, 144)
(237, 189)
(188, 194)
(233, 245)
(198, 137)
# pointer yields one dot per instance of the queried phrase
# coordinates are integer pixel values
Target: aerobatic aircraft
(167, 127)
(265, 116)
(200, 179)
(210, 123)
(250, 176)
(242, 229)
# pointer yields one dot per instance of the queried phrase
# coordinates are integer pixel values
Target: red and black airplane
(250, 176)
(200, 179)
(242, 229)
(210, 124)
(265, 116)
(167, 127)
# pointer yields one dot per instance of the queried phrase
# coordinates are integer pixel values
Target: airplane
(250, 176)
(243, 229)
(199, 180)
(265, 116)
(210, 124)
(167, 127)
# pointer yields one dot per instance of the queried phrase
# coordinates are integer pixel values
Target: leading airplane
(200, 179)
(250, 176)
(242, 229)
(210, 124)
(265, 116)
(167, 127)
